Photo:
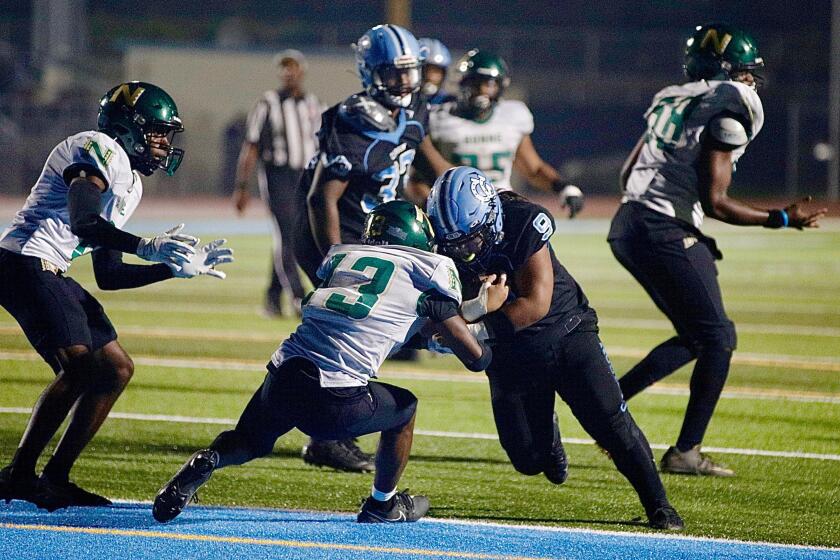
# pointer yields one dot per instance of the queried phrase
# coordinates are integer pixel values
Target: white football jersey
(488, 145)
(664, 178)
(42, 227)
(366, 305)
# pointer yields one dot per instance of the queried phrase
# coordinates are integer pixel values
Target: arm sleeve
(113, 274)
(83, 205)
(437, 307)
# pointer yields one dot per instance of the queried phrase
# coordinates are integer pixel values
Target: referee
(280, 140)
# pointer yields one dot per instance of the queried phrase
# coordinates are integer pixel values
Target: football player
(366, 146)
(371, 296)
(87, 191)
(544, 338)
(435, 68)
(680, 170)
(481, 129)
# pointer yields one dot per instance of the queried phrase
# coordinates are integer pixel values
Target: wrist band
(777, 219)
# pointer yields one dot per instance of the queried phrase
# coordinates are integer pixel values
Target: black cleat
(557, 468)
(666, 518)
(56, 495)
(343, 455)
(17, 487)
(178, 492)
(401, 508)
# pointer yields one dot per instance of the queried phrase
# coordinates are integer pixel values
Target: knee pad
(720, 337)
(619, 433)
(524, 459)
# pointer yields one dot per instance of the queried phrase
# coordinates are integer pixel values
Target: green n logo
(131, 97)
(104, 157)
(718, 43)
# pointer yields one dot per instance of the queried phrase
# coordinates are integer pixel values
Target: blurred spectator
(280, 141)
(232, 137)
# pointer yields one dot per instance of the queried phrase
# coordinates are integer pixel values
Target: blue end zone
(128, 531)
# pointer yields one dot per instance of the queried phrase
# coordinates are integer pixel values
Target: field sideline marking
(263, 542)
(252, 366)
(441, 521)
(177, 419)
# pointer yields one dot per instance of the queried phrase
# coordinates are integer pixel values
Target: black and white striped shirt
(283, 128)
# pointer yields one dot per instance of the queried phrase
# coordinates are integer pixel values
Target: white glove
(571, 197)
(204, 261)
(476, 308)
(170, 246)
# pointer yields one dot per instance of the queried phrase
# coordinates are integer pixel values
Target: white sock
(381, 496)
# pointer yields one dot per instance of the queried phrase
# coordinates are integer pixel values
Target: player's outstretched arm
(544, 176)
(714, 173)
(437, 162)
(475, 354)
(322, 204)
(83, 205)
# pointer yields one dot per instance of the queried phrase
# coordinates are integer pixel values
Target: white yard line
(735, 393)
(455, 435)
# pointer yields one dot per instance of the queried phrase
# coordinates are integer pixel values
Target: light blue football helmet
(437, 55)
(389, 59)
(466, 214)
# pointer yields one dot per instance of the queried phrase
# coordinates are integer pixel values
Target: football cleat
(557, 468)
(14, 487)
(666, 518)
(51, 495)
(692, 462)
(178, 492)
(342, 455)
(402, 508)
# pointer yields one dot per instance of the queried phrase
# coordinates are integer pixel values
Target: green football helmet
(719, 51)
(476, 68)
(134, 111)
(399, 222)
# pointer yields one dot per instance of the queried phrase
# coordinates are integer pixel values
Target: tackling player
(366, 146)
(89, 188)
(481, 129)
(681, 169)
(371, 297)
(544, 339)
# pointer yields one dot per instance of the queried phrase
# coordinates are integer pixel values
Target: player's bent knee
(618, 434)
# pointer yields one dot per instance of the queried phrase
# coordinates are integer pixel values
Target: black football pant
(279, 190)
(291, 397)
(524, 377)
(677, 269)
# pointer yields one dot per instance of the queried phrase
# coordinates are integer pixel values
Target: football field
(200, 347)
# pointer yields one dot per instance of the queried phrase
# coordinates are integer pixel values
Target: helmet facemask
(395, 84)
(479, 95)
(472, 251)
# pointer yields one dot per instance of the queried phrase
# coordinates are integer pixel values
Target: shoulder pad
(363, 113)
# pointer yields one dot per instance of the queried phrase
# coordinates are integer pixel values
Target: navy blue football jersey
(528, 227)
(360, 142)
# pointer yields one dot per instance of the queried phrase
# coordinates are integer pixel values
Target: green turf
(772, 281)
